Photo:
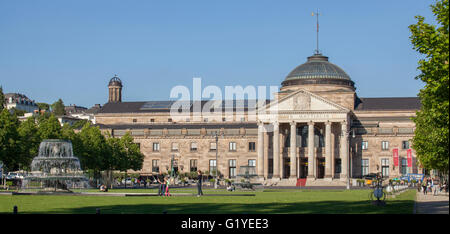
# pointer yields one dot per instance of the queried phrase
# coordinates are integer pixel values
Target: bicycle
(378, 196)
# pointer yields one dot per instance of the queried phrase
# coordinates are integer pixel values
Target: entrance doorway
(320, 168)
(287, 167)
(303, 167)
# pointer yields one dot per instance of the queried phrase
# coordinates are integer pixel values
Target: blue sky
(70, 49)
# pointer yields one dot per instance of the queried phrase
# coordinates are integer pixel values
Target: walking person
(424, 186)
(429, 185)
(160, 179)
(167, 182)
(436, 187)
(446, 187)
(199, 183)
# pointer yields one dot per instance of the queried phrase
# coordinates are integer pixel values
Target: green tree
(431, 140)
(58, 108)
(92, 149)
(29, 141)
(124, 154)
(43, 106)
(133, 157)
(2, 99)
(9, 140)
(79, 124)
(17, 112)
(67, 133)
(49, 128)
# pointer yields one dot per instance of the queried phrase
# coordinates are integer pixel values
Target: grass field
(269, 201)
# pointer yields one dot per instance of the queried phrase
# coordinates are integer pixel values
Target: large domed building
(316, 131)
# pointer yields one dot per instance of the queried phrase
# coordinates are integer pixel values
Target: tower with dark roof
(115, 89)
(323, 78)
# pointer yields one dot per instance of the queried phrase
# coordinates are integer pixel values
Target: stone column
(293, 171)
(276, 150)
(344, 150)
(266, 153)
(328, 157)
(282, 141)
(333, 153)
(311, 156)
(260, 161)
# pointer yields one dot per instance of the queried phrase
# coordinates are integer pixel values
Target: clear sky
(70, 49)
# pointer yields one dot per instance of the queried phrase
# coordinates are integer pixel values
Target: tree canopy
(2, 99)
(43, 106)
(58, 108)
(431, 140)
(19, 144)
(9, 140)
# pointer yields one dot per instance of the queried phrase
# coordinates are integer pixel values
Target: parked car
(370, 178)
(128, 181)
(12, 176)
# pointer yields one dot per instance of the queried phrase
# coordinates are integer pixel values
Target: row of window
(384, 167)
(189, 120)
(212, 165)
(384, 145)
(232, 146)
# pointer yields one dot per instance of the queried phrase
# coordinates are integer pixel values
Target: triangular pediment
(302, 100)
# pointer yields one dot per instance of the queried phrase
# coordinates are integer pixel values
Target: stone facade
(337, 134)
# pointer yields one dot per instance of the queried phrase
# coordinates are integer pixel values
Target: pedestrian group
(433, 185)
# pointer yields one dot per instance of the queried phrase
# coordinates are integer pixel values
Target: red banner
(395, 152)
(409, 157)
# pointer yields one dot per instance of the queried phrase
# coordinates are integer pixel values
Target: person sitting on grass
(103, 188)
(230, 187)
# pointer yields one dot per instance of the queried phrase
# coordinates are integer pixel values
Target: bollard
(15, 210)
(97, 211)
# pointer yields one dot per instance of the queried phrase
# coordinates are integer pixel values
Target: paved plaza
(430, 204)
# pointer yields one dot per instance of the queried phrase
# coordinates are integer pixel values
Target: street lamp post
(217, 165)
(171, 166)
(349, 163)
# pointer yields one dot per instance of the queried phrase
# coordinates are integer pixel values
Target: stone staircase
(325, 182)
(280, 182)
(301, 182)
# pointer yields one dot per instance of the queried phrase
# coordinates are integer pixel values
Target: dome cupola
(115, 89)
(115, 81)
(318, 71)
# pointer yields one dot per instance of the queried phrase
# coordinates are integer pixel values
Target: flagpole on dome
(317, 31)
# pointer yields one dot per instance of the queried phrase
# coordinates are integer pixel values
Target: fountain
(247, 172)
(55, 168)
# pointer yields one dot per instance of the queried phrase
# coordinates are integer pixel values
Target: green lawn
(264, 202)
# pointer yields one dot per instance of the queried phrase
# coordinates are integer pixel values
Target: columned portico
(309, 152)
(310, 122)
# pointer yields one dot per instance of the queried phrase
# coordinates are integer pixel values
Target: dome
(318, 70)
(115, 81)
